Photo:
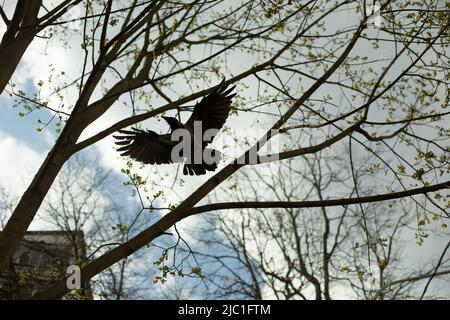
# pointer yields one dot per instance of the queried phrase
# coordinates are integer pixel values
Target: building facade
(41, 260)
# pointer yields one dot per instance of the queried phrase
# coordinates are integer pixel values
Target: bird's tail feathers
(202, 168)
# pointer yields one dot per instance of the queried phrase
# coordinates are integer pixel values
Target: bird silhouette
(208, 116)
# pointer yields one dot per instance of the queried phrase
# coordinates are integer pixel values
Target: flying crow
(151, 148)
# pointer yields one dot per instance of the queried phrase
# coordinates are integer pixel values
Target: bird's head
(173, 123)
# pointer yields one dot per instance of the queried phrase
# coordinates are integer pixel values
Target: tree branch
(179, 213)
(316, 203)
(4, 17)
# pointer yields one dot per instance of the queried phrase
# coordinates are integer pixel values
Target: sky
(23, 148)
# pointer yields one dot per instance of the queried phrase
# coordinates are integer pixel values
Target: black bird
(151, 148)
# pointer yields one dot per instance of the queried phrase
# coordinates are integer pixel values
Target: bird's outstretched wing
(145, 146)
(213, 109)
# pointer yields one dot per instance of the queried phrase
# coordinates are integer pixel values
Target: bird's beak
(165, 118)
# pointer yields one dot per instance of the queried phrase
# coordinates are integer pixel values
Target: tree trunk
(31, 200)
(18, 36)
(17, 225)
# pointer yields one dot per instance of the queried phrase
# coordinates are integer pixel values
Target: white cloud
(18, 163)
